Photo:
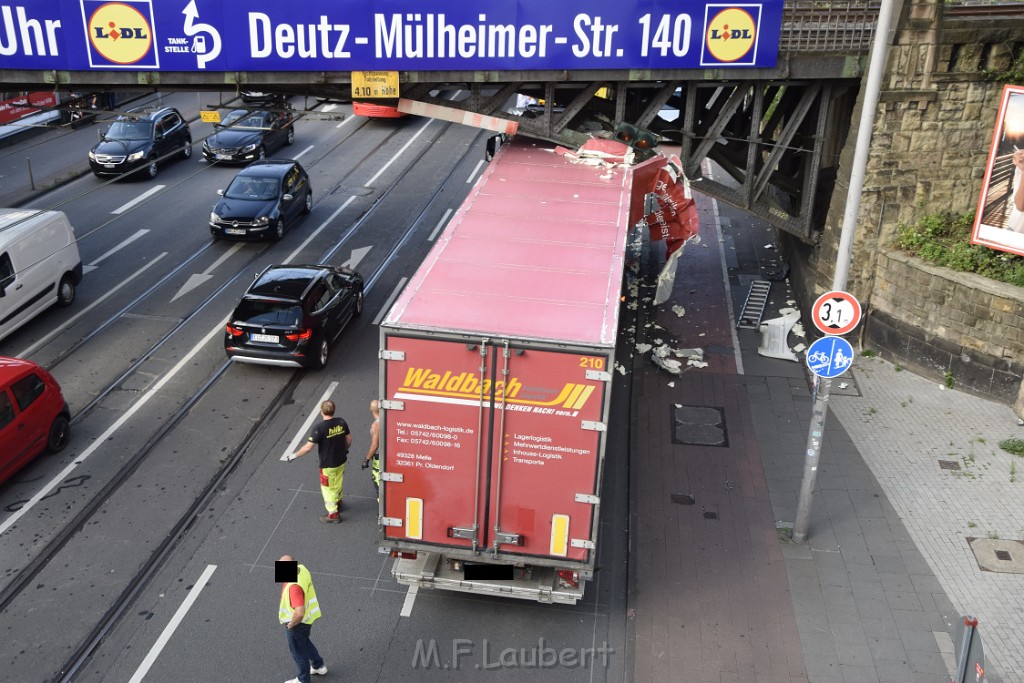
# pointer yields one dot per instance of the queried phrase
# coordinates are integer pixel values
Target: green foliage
(1014, 445)
(1014, 75)
(945, 240)
(949, 379)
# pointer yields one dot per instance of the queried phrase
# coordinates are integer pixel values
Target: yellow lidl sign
(374, 84)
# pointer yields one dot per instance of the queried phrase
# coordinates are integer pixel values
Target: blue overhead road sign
(830, 357)
(387, 35)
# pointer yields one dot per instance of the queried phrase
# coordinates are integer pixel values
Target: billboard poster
(387, 35)
(999, 222)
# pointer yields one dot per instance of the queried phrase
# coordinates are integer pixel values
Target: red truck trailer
(495, 375)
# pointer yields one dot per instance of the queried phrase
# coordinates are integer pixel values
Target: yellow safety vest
(305, 582)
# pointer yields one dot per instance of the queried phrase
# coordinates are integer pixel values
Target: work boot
(333, 518)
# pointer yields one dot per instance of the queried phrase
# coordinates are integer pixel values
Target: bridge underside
(775, 133)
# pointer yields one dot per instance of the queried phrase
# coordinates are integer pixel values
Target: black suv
(141, 138)
(290, 315)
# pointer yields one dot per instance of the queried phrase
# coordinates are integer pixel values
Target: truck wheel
(66, 291)
(60, 433)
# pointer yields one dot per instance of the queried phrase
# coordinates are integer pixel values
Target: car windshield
(252, 188)
(130, 130)
(242, 119)
(268, 313)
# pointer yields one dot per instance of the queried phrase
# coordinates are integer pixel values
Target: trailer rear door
(493, 446)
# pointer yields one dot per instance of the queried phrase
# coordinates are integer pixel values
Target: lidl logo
(120, 33)
(731, 34)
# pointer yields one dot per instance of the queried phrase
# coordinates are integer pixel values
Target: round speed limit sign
(836, 312)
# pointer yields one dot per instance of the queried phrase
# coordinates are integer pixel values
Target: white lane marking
(92, 266)
(197, 279)
(276, 526)
(736, 352)
(309, 421)
(358, 255)
(329, 108)
(169, 630)
(440, 224)
(141, 198)
(320, 229)
(475, 169)
(399, 153)
(410, 598)
(101, 440)
(303, 152)
(71, 321)
(391, 299)
(347, 119)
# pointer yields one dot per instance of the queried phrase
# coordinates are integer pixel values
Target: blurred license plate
(108, 165)
(234, 231)
(222, 157)
(267, 338)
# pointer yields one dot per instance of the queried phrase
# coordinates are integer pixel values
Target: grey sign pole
(873, 86)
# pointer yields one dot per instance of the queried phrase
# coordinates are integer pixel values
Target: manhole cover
(998, 555)
(699, 426)
(949, 465)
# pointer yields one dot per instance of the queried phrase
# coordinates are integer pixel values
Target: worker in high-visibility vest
(298, 610)
(372, 459)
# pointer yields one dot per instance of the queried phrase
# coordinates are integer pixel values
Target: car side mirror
(287, 197)
(220, 193)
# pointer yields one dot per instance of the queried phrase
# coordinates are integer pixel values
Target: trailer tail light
(568, 578)
(403, 554)
(301, 334)
(414, 518)
(233, 331)
(559, 535)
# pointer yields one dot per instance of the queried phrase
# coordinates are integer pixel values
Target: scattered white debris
(680, 405)
(643, 348)
(659, 342)
(769, 246)
(622, 370)
(662, 351)
(798, 330)
(701, 334)
(679, 310)
(668, 364)
(671, 384)
(689, 353)
(843, 385)
(799, 347)
(697, 363)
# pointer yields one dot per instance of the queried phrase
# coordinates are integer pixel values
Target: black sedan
(243, 135)
(290, 315)
(262, 200)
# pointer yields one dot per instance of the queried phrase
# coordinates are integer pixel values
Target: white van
(39, 265)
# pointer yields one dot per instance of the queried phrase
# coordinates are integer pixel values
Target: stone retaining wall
(955, 327)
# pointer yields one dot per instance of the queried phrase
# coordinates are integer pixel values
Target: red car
(33, 415)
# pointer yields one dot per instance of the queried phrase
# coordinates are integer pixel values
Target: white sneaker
(318, 672)
(292, 680)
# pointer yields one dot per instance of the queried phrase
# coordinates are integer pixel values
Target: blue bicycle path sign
(829, 356)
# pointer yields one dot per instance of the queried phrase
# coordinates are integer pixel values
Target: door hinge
(594, 426)
(587, 498)
(387, 354)
(392, 405)
(391, 476)
(582, 543)
(390, 521)
(599, 375)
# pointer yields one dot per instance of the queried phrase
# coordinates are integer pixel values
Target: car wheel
(323, 353)
(308, 206)
(186, 151)
(66, 290)
(278, 229)
(261, 154)
(359, 304)
(152, 170)
(290, 138)
(60, 434)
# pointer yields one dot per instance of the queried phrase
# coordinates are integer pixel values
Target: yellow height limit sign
(374, 84)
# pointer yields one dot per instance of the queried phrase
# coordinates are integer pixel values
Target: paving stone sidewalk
(887, 574)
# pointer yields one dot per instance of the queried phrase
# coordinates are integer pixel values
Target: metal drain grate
(699, 426)
(753, 307)
(949, 465)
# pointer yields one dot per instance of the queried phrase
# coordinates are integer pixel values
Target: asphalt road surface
(147, 547)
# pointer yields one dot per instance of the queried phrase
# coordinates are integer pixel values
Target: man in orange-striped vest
(298, 610)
